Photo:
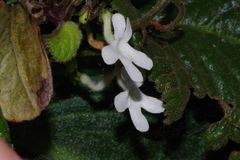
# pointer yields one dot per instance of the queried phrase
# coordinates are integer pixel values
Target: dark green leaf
(78, 129)
(4, 130)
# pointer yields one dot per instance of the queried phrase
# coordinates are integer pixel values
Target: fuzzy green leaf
(64, 42)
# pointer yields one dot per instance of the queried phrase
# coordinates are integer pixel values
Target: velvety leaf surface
(4, 130)
(173, 75)
(25, 74)
(215, 72)
(85, 128)
(211, 57)
(219, 16)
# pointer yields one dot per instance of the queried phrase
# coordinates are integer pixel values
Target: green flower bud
(63, 44)
(84, 14)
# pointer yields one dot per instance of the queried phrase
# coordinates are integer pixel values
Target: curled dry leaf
(25, 74)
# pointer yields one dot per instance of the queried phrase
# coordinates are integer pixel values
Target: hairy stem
(151, 14)
(98, 9)
(94, 43)
(179, 17)
(161, 4)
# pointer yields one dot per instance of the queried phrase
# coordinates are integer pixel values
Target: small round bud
(64, 43)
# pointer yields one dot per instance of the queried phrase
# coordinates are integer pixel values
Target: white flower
(85, 79)
(107, 29)
(133, 99)
(119, 48)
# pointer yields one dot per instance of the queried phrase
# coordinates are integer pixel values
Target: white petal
(138, 119)
(125, 81)
(110, 53)
(121, 101)
(107, 30)
(135, 93)
(132, 71)
(139, 58)
(119, 25)
(85, 79)
(128, 31)
(125, 77)
(121, 82)
(151, 104)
